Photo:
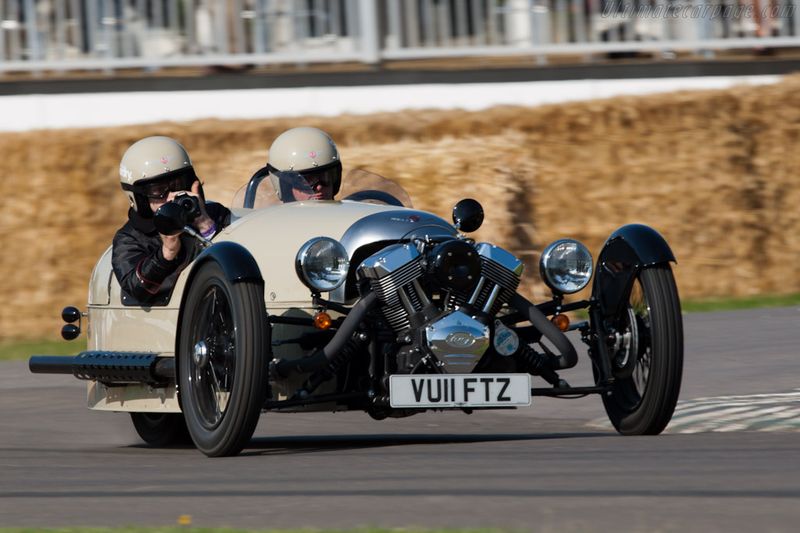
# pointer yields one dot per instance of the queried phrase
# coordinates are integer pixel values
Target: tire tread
(657, 405)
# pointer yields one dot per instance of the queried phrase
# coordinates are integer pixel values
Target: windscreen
(359, 185)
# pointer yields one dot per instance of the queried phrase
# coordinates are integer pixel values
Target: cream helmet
(307, 151)
(151, 168)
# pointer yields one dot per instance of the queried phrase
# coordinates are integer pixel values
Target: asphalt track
(545, 468)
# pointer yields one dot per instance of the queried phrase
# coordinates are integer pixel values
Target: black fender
(628, 250)
(237, 263)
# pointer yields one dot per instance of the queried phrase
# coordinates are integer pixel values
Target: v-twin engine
(443, 296)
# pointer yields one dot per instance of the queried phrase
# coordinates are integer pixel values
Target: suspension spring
(538, 364)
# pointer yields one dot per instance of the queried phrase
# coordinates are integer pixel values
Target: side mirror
(468, 215)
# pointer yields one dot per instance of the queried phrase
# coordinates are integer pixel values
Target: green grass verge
(708, 305)
(17, 350)
(732, 304)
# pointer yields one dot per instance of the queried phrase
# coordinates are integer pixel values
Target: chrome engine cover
(435, 319)
(458, 341)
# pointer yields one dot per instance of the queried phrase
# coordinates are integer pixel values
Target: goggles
(324, 177)
(159, 188)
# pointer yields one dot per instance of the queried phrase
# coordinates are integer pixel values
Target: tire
(224, 350)
(161, 430)
(648, 366)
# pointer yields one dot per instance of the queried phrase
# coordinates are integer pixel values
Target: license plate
(460, 390)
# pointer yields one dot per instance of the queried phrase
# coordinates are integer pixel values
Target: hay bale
(713, 171)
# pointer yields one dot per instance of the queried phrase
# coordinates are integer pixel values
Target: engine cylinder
(393, 275)
(500, 275)
(484, 276)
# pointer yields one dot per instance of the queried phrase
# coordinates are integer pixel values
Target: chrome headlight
(322, 264)
(566, 266)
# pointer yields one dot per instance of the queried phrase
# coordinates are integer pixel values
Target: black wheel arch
(236, 261)
(627, 250)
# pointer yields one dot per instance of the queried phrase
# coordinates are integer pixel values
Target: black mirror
(468, 215)
(70, 332)
(70, 314)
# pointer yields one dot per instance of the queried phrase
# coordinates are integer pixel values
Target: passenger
(152, 172)
(311, 153)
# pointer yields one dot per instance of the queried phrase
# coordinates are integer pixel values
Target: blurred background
(65, 35)
(563, 117)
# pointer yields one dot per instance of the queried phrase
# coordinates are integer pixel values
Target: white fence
(107, 34)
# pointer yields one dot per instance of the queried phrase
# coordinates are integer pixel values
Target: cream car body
(273, 235)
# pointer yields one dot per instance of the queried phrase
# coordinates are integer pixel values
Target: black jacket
(145, 276)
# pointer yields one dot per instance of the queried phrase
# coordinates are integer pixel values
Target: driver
(146, 263)
(312, 154)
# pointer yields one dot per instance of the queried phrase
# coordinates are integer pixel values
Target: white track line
(774, 413)
(759, 412)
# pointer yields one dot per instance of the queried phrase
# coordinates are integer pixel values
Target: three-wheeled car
(369, 304)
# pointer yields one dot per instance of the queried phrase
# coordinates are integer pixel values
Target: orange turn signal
(561, 322)
(322, 320)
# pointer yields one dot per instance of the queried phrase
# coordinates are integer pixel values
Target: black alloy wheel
(647, 359)
(222, 367)
(161, 429)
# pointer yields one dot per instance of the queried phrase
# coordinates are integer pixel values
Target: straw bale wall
(714, 171)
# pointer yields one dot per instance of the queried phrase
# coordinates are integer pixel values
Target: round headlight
(566, 266)
(322, 264)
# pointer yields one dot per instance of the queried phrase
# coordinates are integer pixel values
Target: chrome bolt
(200, 355)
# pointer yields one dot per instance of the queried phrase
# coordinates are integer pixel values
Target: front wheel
(647, 360)
(223, 355)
